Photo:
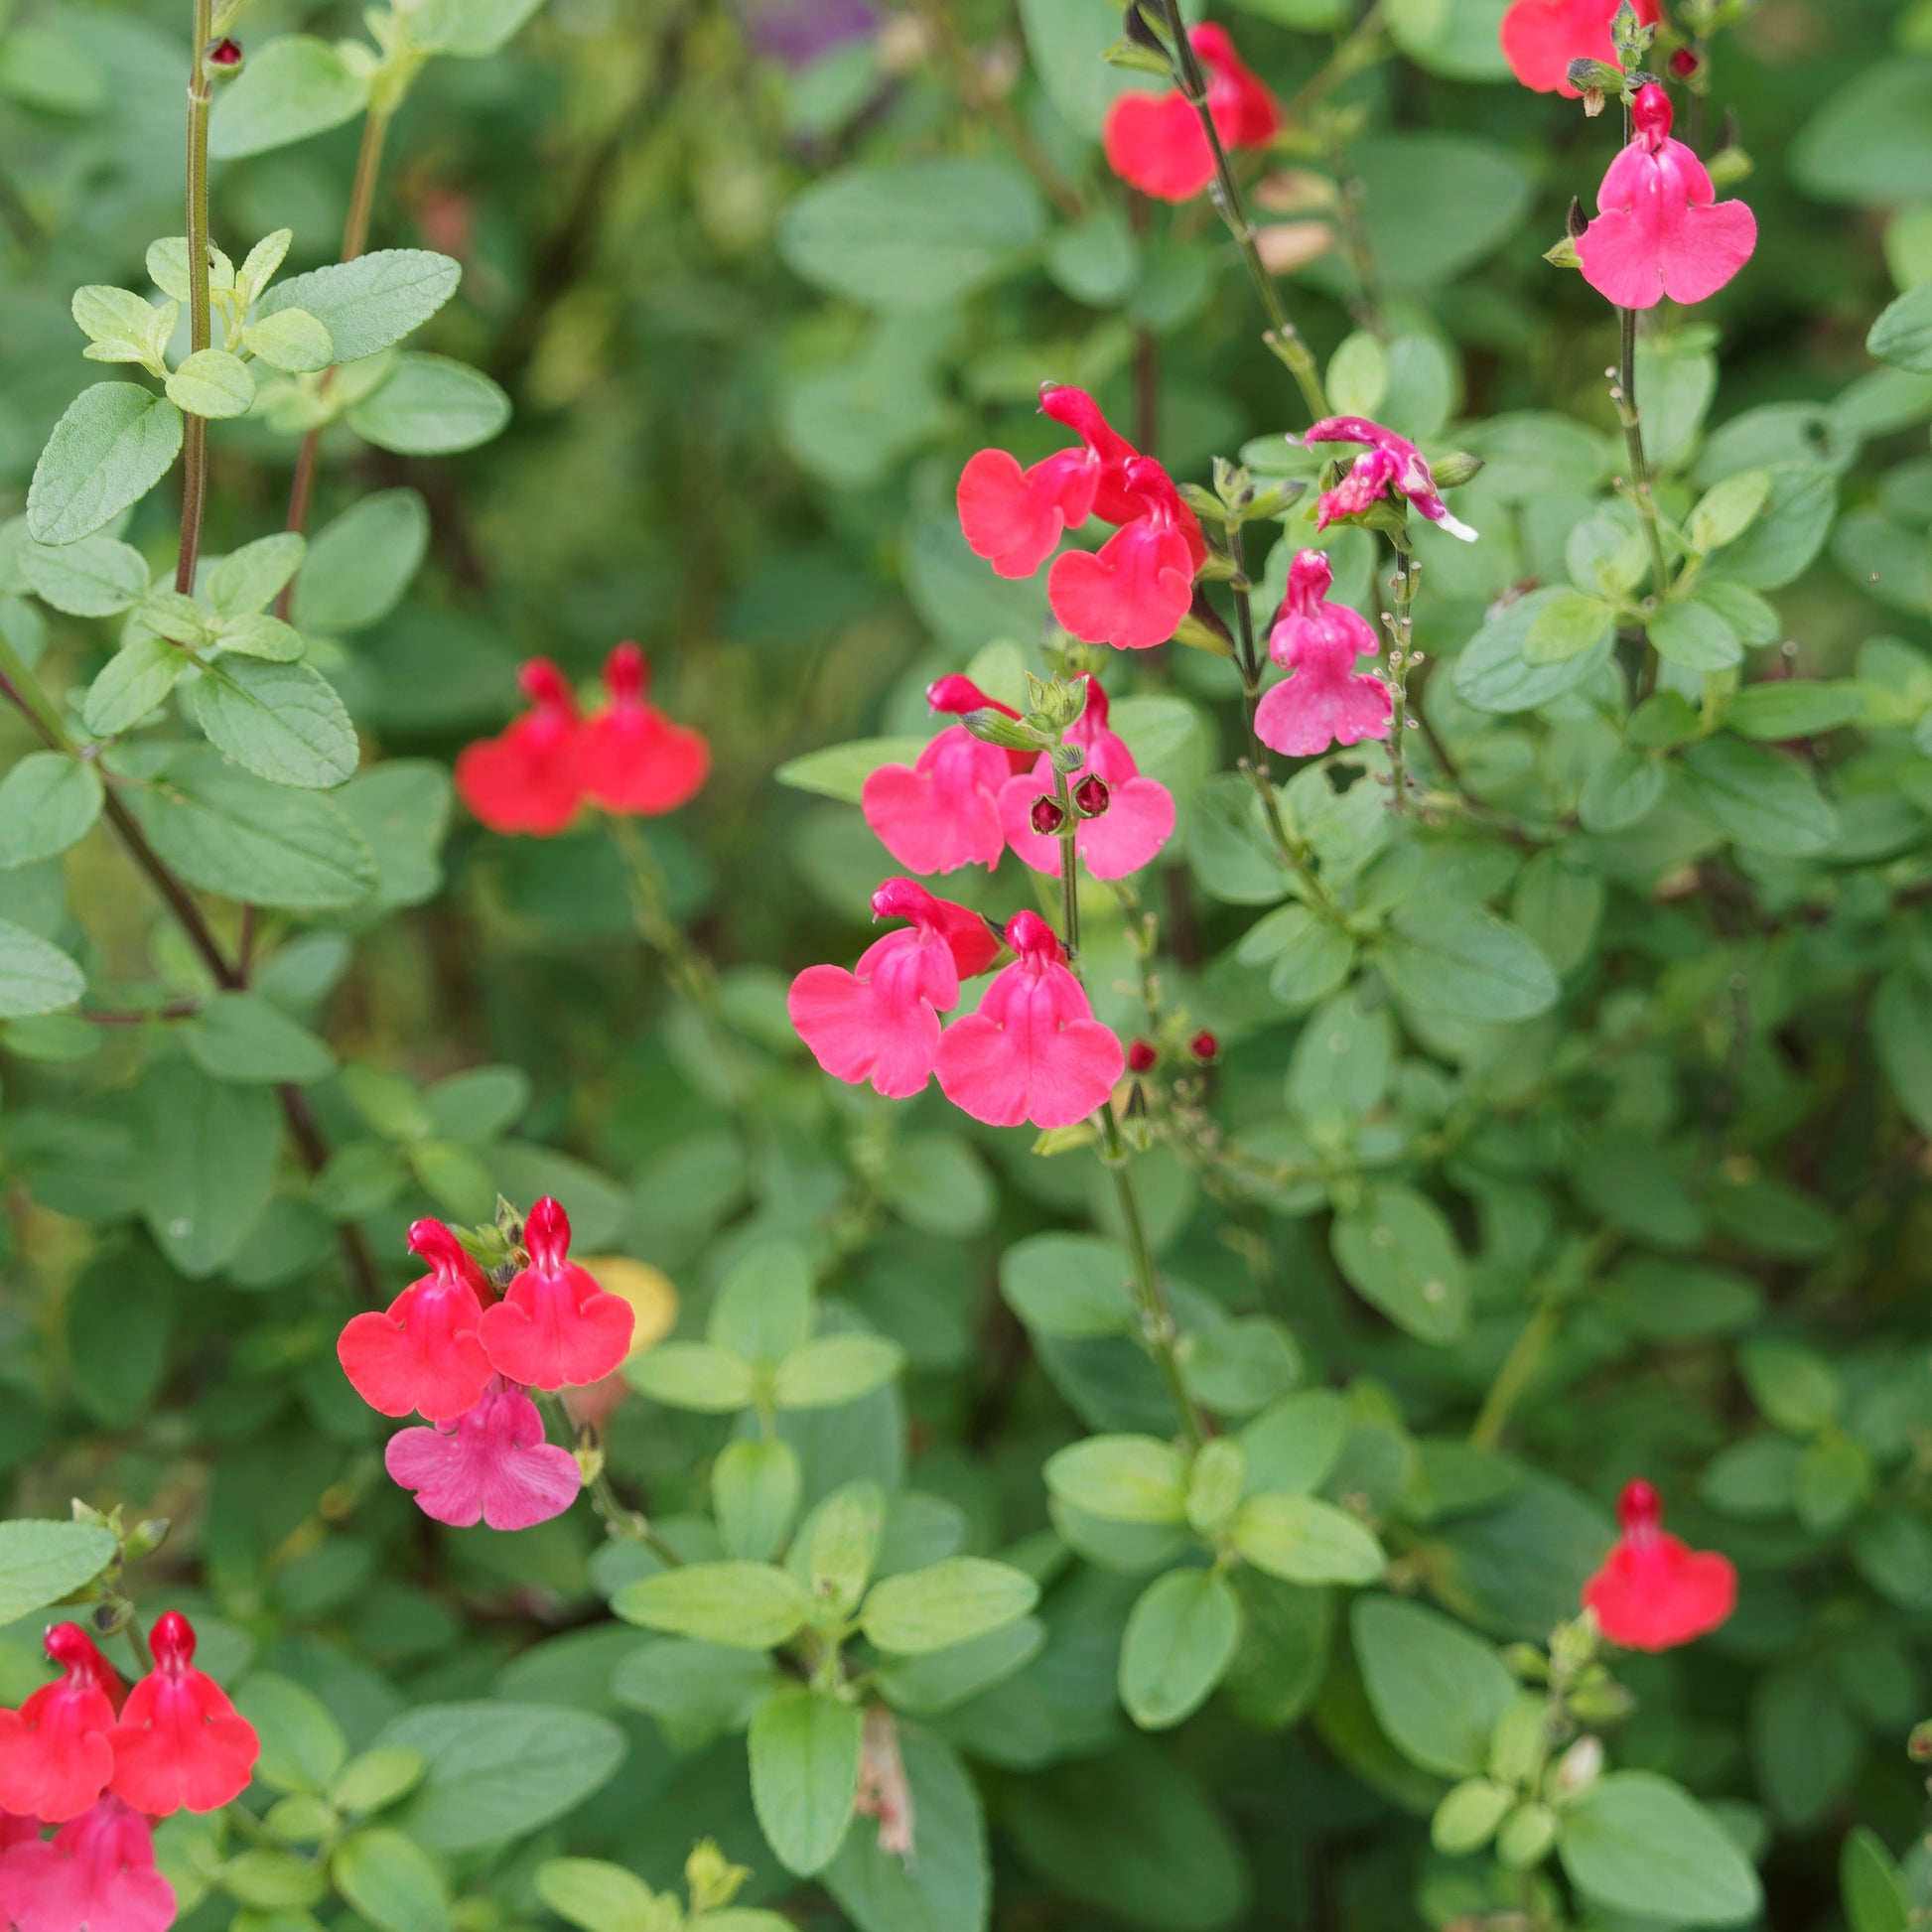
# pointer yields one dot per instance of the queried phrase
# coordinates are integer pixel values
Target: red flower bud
(1091, 796)
(1047, 816)
(1684, 63)
(1205, 1047)
(1141, 1057)
(226, 52)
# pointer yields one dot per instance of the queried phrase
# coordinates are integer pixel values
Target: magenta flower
(1033, 1051)
(1324, 700)
(96, 1874)
(554, 1325)
(491, 1465)
(881, 1020)
(1138, 815)
(943, 811)
(55, 1757)
(1389, 463)
(423, 1350)
(1135, 590)
(1659, 229)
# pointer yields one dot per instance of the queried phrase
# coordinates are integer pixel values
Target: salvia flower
(881, 1020)
(180, 1743)
(55, 1754)
(1541, 38)
(1390, 464)
(554, 1325)
(1033, 1051)
(1654, 1592)
(634, 760)
(96, 1874)
(528, 778)
(1154, 141)
(1135, 590)
(1660, 230)
(942, 811)
(424, 1351)
(1324, 701)
(490, 1465)
(1137, 817)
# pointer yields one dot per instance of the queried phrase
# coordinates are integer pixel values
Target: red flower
(491, 1465)
(1134, 592)
(424, 1351)
(1326, 701)
(180, 1743)
(55, 1757)
(1542, 36)
(1654, 1592)
(943, 811)
(1033, 1051)
(1660, 230)
(96, 1874)
(1390, 464)
(881, 1020)
(1155, 142)
(528, 780)
(554, 1325)
(632, 758)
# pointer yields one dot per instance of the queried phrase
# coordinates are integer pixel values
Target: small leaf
(292, 88)
(1449, 956)
(840, 771)
(372, 303)
(950, 1602)
(48, 802)
(1637, 1843)
(214, 383)
(42, 1560)
(131, 684)
(1303, 1541)
(1122, 1479)
(1436, 1690)
(431, 405)
(1729, 510)
(696, 1375)
(116, 441)
(283, 722)
(245, 580)
(805, 1747)
(1571, 624)
(835, 1369)
(1180, 1640)
(746, 1605)
(95, 578)
(1398, 1251)
(387, 1879)
(292, 340)
(34, 976)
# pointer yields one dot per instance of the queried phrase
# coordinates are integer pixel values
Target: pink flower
(1135, 590)
(1390, 464)
(1654, 1592)
(1138, 819)
(1541, 38)
(491, 1465)
(528, 778)
(1155, 142)
(1324, 700)
(1659, 230)
(632, 759)
(1014, 518)
(96, 1874)
(554, 1325)
(1033, 1051)
(943, 811)
(55, 1757)
(423, 1351)
(180, 1743)
(881, 1020)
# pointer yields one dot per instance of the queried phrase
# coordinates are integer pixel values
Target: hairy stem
(193, 463)
(1626, 397)
(1069, 868)
(1402, 631)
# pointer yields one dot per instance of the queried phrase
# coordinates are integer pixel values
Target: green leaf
(1398, 1251)
(840, 771)
(950, 1602)
(211, 383)
(699, 1687)
(935, 1182)
(918, 236)
(372, 303)
(744, 1605)
(500, 1771)
(1694, 637)
(302, 1745)
(1293, 1445)
(429, 405)
(603, 1897)
(1764, 801)
(1303, 1541)
(248, 580)
(229, 832)
(132, 684)
(1620, 792)
(401, 808)
(42, 1561)
(1867, 1878)
(273, 1880)
(292, 340)
(292, 88)
(386, 1880)
(93, 578)
(256, 635)
(121, 327)
(359, 567)
(1572, 622)
(1436, 1690)
(1796, 1389)
(1903, 334)
(1792, 708)
(692, 1375)
(242, 1037)
(1901, 1036)
(376, 1779)
(208, 1165)
(1307, 956)
(116, 441)
(947, 1887)
(1286, 1635)
(835, 1553)
(282, 721)
(1779, 547)
(835, 1369)
(942, 1680)
(34, 977)
(1072, 1286)
(1180, 1640)
(1448, 955)
(1729, 510)
(120, 1319)
(469, 29)
(48, 802)
(755, 1489)
(1635, 1843)
(805, 1747)
(1122, 1478)
(763, 1306)
(1493, 674)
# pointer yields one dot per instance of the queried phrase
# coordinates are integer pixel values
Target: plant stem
(137, 1639)
(1069, 868)
(1519, 1367)
(194, 467)
(686, 968)
(1625, 397)
(1282, 337)
(604, 1500)
(1402, 631)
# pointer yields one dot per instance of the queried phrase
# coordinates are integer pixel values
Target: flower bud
(225, 57)
(1454, 470)
(1918, 1745)
(144, 1538)
(1205, 1047)
(1091, 797)
(1684, 63)
(1578, 1768)
(1047, 816)
(1141, 1057)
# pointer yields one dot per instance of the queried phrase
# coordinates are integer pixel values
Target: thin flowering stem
(1625, 395)
(686, 968)
(194, 466)
(1402, 631)
(1519, 1367)
(627, 1523)
(1069, 868)
(1282, 335)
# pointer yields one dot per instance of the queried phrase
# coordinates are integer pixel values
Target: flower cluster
(548, 765)
(1654, 1592)
(465, 1361)
(1155, 142)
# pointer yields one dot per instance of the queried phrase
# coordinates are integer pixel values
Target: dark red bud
(1141, 1057)
(1047, 816)
(1091, 796)
(226, 52)
(1204, 1047)
(1684, 63)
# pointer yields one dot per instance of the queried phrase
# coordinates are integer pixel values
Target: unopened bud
(144, 1538)
(1205, 1047)
(1919, 1745)
(1578, 1768)
(1452, 472)
(1047, 816)
(711, 1879)
(1141, 1057)
(1684, 63)
(588, 1454)
(225, 55)
(1091, 796)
